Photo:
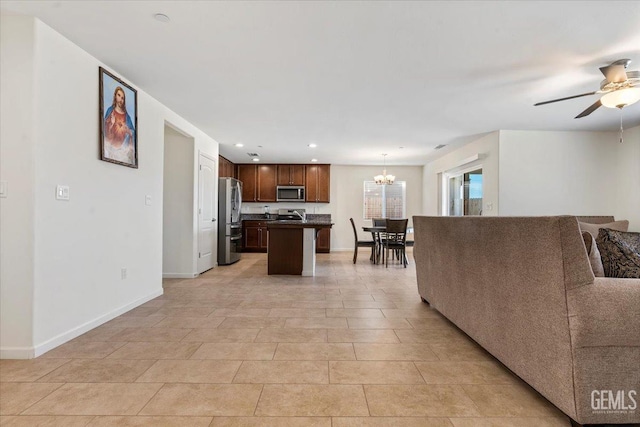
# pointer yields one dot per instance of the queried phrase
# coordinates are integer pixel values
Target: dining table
(376, 232)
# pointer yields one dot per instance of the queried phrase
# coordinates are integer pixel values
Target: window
(384, 201)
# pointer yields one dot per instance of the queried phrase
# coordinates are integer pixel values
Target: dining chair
(379, 237)
(396, 240)
(361, 243)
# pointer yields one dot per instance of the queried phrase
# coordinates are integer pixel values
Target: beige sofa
(523, 289)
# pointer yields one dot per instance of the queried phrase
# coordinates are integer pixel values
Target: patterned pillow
(620, 253)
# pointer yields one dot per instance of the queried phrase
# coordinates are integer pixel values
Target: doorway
(190, 207)
(463, 193)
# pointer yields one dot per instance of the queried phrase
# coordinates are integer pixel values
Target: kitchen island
(292, 245)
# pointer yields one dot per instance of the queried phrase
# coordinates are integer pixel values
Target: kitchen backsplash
(259, 208)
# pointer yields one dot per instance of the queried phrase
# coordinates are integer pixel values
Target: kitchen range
(291, 215)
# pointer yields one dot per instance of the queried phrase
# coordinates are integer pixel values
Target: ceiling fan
(620, 88)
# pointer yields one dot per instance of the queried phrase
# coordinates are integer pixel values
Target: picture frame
(118, 121)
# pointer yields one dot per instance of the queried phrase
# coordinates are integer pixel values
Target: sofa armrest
(605, 313)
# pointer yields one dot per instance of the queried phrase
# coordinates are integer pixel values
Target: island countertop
(298, 224)
(273, 217)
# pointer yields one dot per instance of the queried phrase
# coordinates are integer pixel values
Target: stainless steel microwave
(290, 193)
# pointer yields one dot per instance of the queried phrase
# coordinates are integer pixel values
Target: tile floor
(353, 346)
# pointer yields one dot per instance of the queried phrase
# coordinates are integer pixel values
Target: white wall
(17, 169)
(177, 238)
(558, 173)
(627, 182)
(487, 148)
(551, 173)
(81, 244)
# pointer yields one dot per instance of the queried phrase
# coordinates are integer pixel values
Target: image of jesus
(119, 130)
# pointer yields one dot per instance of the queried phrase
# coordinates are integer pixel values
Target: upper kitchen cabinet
(248, 174)
(290, 175)
(318, 183)
(267, 183)
(226, 168)
(258, 182)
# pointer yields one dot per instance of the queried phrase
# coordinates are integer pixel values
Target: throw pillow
(593, 228)
(594, 254)
(620, 253)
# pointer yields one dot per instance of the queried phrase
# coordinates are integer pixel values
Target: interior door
(207, 226)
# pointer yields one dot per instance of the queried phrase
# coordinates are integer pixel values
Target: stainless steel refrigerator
(229, 224)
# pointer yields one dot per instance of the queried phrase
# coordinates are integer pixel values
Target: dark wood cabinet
(318, 183)
(291, 174)
(248, 174)
(226, 168)
(258, 182)
(255, 237)
(267, 183)
(323, 241)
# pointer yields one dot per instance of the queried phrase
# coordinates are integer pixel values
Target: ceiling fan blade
(614, 72)
(564, 99)
(590, 110)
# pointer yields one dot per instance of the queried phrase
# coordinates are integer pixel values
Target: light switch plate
(147, 200)
(62, 192)
(4, 189)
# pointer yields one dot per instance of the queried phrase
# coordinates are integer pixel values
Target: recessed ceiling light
(161, 17)
(312, 145)
(255, 159)
(314, 160)
(239, 145)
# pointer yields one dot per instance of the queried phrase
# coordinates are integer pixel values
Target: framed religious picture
(118, 121)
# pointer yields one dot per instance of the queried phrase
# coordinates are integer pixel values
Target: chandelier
(384, 178)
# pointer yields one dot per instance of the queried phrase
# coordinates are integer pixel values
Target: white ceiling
(358, 78)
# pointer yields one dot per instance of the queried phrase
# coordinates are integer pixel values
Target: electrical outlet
(147, 200)
(123, 273)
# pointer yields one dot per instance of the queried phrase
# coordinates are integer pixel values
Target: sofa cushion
(593, 228)
(593, 253)
(620, 253)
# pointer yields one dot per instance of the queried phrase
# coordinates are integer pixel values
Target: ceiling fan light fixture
(621, 98)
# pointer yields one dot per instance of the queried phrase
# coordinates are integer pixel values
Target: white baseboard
(31, 352)
(17, 353)
(179, 275)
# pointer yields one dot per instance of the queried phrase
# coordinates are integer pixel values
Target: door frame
(444, 185)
